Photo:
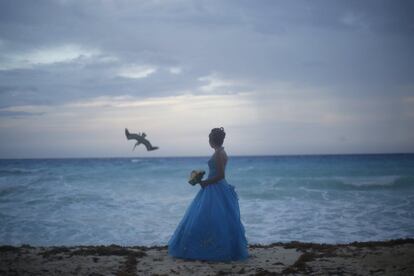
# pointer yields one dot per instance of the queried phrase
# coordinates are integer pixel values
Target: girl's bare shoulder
(222, 153)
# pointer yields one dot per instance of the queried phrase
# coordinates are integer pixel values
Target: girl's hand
(203, 184)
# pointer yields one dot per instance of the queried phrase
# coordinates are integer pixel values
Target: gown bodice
(212, 168)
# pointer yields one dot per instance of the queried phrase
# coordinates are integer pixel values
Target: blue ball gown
(211, 228)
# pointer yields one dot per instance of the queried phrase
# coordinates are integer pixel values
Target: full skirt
(211, 228)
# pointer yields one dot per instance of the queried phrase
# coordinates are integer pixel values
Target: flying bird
(140, 140)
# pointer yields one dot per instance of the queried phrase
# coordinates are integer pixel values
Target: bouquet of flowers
(196, 176)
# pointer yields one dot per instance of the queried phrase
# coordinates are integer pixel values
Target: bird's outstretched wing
(131, 136)
(136, 145)
(148, 145)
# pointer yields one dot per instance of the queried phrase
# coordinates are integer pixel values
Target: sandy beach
(393, 257)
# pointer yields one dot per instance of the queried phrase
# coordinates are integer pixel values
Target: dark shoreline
(291, 244)
(386, 257)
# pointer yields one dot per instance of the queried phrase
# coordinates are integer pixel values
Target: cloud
(214, 83)
(44, 56)
(136, 71)
(16, 114)
(354, 20)
(175, 70)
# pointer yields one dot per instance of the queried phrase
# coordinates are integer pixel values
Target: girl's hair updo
(217, 136)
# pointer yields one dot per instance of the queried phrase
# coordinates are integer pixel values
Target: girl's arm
(219, 158)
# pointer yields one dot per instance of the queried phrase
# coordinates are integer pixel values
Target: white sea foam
(383, 180)
(137, 160)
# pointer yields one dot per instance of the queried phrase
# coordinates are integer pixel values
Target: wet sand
(394, 257)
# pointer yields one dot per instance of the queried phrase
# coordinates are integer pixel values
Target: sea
(140, 201)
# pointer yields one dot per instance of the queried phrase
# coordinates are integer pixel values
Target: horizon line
(200, 156)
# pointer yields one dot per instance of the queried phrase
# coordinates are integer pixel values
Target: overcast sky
(281, 77)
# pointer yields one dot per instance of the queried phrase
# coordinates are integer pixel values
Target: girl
(211, 228)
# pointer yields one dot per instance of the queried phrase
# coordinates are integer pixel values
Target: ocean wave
(243, 169)
(146, 161)
(11, 190)
(137, 160)
(269, 184)
(17, 171)
(358, 183)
